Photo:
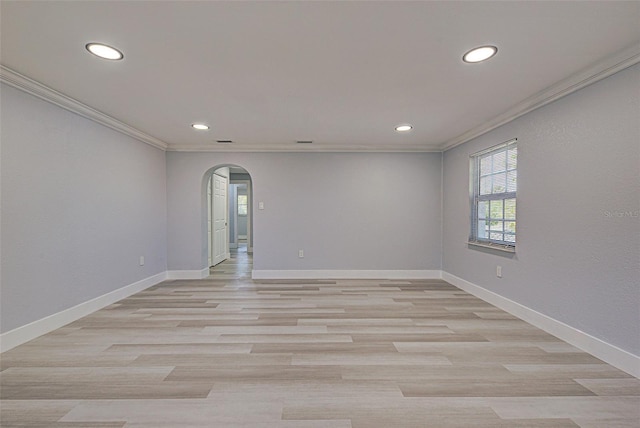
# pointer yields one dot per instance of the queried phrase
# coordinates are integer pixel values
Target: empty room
(319, 214)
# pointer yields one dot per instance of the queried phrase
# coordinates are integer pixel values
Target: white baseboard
(608, 353)
(188, 274)
(346, 274)
(611, 354)
(25, 333)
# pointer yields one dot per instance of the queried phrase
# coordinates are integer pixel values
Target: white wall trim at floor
(188, 274)
(25, 333)
(346, 274)
(607, 352)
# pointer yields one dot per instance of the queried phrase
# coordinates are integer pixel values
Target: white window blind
(494, 182)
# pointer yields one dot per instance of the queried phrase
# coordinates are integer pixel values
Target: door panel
(210, 220)
(220, 251)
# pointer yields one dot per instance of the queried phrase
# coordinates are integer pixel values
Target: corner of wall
(607, 352)
(25, 333)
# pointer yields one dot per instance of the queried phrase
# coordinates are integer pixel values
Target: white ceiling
(343, 74)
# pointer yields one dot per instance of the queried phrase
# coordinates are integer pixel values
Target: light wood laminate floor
(227, 351)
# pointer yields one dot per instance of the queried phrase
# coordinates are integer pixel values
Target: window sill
(497, 247)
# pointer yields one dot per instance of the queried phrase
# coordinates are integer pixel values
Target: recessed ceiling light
(480, 54)
(404, 128)
(200, 126)
(104, 51)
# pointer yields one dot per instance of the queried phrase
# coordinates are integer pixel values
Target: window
(242, 204)
(494, 181)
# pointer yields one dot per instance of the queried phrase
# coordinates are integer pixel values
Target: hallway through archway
(238, 266)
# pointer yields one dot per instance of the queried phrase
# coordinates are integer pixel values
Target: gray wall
(355, 211)
(578, 253)
(80, 204)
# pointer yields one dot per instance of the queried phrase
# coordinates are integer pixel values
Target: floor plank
(226, 351)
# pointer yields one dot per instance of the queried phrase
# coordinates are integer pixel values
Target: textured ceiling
(343, 74)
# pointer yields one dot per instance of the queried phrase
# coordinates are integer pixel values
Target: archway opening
(228, 220)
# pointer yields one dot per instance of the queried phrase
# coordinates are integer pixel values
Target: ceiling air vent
(224, 141)
(304, 142)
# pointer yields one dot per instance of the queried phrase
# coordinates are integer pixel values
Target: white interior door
(210, 220)
(220, 250)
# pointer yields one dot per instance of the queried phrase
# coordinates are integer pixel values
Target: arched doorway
(229, 213)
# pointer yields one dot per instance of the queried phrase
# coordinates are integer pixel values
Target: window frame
(238, 204)
(476, 197)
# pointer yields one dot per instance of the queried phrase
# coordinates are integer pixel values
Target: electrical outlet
(301, 254)
(141, 260)
(499, 271)
(260, 205)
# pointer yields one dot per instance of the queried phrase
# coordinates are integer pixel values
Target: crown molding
(611, 65)
(298, 148)
(37, 89)
(600, 70)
